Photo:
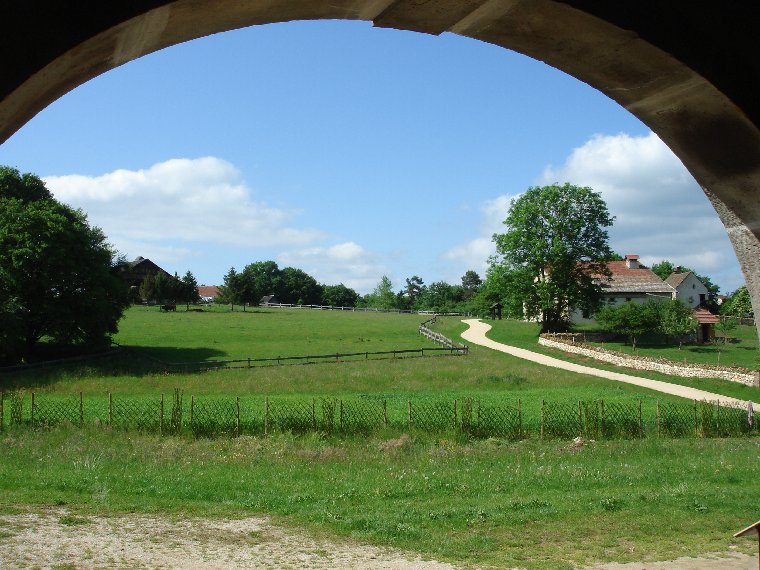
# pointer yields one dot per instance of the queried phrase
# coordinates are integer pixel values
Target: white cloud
(203, 201)
(346, 263)
(660, 210)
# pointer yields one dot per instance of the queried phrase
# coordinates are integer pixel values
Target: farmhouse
(135, 271)
(688, 287)
(629, 281)
(208, 293)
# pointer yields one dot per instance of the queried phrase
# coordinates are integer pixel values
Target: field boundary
(239, 363)
(217, 416)
(359, 309)
(440, 338)
(567, 343)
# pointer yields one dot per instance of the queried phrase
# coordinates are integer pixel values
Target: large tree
(339, 296)
(556, 241)
(58, 275)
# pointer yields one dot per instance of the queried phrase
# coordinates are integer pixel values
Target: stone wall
(562, 342)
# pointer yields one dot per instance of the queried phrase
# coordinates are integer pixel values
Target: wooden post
(110, 409)
(249, 362)
(266, 417)
(478, 432)
(161, 417)
(658, 418)
(542, 420)
(31, 417)
(385, 413)
(519, 419)
(237, 416)
(410, 414)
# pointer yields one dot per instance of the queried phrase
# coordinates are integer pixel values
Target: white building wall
(690, 290)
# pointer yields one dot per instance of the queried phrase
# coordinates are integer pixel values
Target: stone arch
(688, 71)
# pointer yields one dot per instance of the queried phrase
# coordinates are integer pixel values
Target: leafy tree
(442, 297)
(339, 296)
(631, 319)
(148, 288)
(676, 320)
(725, 326)
(58, 275)
(471, 283)
(230, 292)
(189, 290)
(663, 269)
(556, 242)
(738, 303)
(259, 279)
(413, 289)
(382, 297)
(298, 287)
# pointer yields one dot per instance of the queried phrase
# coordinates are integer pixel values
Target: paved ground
(476, 334)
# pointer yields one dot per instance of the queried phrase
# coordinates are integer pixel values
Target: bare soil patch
(57, 538)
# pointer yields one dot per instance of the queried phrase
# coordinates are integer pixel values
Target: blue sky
(352, 152)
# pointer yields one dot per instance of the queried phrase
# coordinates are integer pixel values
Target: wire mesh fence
(229, 416)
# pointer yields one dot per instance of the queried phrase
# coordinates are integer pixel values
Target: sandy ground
(56, 539)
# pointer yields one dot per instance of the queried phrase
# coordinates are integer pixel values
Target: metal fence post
(161, 417)
(237, 416)
(31, 416)
(454, 422)
(385, 413)
(641, 421)
(2, 397)
(110, 409)
(341, 415)
(696, 427)
(410, 414)
(192, 406)
(478, 432)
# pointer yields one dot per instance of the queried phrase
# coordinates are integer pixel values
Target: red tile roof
(208, 290)
(705, 317)
(638, 280)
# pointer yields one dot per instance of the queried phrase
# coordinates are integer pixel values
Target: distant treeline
(294, 286)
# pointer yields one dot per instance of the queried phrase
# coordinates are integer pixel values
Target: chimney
(632, 261)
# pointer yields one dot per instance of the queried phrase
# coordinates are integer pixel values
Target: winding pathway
(476, 334)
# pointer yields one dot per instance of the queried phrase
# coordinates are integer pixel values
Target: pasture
(528, 503)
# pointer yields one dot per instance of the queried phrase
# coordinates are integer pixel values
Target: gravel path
(56, 539)
(476, 334)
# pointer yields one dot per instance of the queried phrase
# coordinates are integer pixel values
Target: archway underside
(687, 72)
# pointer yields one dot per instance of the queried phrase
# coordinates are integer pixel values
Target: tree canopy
(58, 275)
(556, 242)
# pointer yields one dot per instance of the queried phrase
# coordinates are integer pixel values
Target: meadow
(489, 502)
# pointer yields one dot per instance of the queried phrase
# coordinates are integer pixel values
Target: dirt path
(476, 334)
(54, 538)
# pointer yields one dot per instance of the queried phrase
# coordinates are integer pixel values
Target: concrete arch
(687, 70)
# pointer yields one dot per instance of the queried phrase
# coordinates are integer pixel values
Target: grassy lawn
(740, 349)
(533, 504)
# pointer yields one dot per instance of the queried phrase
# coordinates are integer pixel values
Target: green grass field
(534, 504)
